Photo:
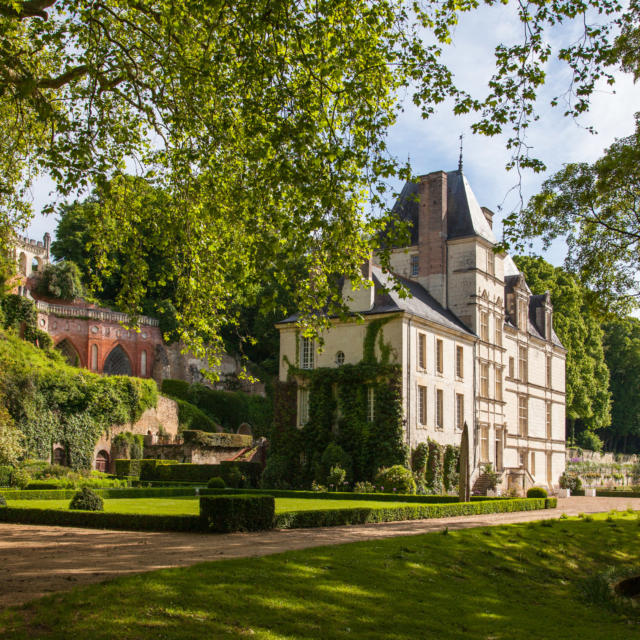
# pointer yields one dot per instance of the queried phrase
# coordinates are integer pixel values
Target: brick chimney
(432, 222)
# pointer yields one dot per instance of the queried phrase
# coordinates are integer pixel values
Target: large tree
(263, 122)
(596, 208)
(622, 349)
(579, 329)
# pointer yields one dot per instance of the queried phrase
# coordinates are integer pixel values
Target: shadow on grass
(515, 581)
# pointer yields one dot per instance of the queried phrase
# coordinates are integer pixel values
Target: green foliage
(60, 280)
(571, 482)
(19, 315)
(50, 401)
(216, 483)
(276, 473)
(235, 479)
(397, 479)
(622, 354)
(339, 517)
(536, 492)
(225, 514)
(86, 500)
(131, 444)
(336, 478)
(229, 408)
(593, 207)
(434, 474)
(127, 468)
(334, 456)
(11, 439)
(450, 467)
(3, 501)
(190, 417)
(204, 439)
(493, 477)
(590, 441)
(580, 331)
(419, 458)
(5, 475)
(235, 474)
(364, 487)
(373, 333)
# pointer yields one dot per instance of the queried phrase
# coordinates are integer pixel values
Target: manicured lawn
(533, 581)
(190, 506)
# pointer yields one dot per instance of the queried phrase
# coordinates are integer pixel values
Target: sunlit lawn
(524, 581)
(190, 506)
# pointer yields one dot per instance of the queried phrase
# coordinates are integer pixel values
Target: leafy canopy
(262, 123)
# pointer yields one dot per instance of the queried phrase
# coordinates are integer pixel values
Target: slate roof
(465, 217)
(534, 303)
(420, 304)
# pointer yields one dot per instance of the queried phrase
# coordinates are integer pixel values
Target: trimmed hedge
(608, 493)
(149, 467)
(337, 517)
(101, 519)
(190, 417)
(67, 494)
(202, 473)
(127, 467)
(225, 514)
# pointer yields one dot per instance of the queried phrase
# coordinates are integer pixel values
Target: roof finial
(460, 159)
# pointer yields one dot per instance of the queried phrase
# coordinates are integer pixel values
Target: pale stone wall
(400, 260)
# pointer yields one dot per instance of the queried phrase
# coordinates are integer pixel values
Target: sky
(434, 144)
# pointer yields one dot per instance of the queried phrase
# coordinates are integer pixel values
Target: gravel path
(37, 560)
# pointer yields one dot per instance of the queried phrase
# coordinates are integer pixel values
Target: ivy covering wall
(50, 401)
(339, 415)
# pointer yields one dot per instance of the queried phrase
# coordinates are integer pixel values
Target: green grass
(502, 583)
(190, 505)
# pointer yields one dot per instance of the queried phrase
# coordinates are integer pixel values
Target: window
(459, 410)
(340, 358)
(306, 353)
(523, 364)
(439, 355)
(94, 357)
(532, 468)
(143, 364)
(484, 380)
(499, 383)
(522, 315)
(422, 351)
(549, 469)
(491, 262)
(523, 459)
(548, 421)
(459, 362)
(303, 407)
(512, 372)
(371, 404)
(439, 409)
(415, 265)
(548, 371)
(484, 444)
(499, 332)
(422, 405)
(523, 416)
(484, 326)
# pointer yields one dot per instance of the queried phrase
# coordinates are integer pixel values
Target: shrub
(3, 501)
(571, 482)
(276, 474)
(396, 478)
(492, 476)
(246, 512)
(589, 440)
(86, 500)
(334, 456)
(61, 280)
(216, 483)
(20, 478)
(433, 476)
(364, 487)
(235, 479)
(419, 458)
(537, 492)
(5, 475)
(336, 478)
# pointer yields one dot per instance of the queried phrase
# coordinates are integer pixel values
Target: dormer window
(522, 314)
(491, 262)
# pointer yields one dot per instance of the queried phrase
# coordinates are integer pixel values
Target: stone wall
(188, 453)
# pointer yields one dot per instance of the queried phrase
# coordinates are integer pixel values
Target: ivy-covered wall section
(341, 429)
(50, 401)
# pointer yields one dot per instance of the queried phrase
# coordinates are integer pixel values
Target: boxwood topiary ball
(537, 492)
(86, 500)
(216, 483)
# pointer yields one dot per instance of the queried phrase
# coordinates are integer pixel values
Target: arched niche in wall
(94, 357)
(22, 263)
(69, 352)
(36, 264)
(117, 363)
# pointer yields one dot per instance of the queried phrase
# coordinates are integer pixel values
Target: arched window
(35, 264)
(340, 358)
(117, 363)
(69, 352)
(143, 364)
(59, 456)
(94, 357)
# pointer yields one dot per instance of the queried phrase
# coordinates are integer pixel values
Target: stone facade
(474, 345)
